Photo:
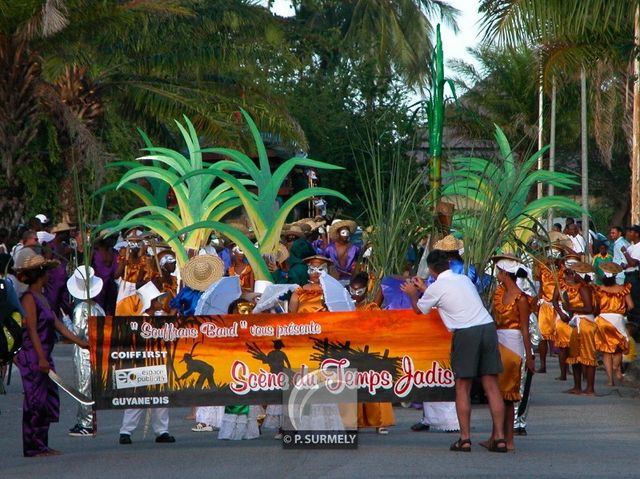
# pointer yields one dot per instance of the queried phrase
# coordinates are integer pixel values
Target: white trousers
(159, 420)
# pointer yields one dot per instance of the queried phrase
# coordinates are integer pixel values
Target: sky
(454, 45)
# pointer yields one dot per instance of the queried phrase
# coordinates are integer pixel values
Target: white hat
(77, 283)
(45, 237)
(148, 292)
(42, 218)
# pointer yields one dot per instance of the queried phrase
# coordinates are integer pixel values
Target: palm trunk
(635, 146)
(585, 166)
(552, 147)
(540, 126)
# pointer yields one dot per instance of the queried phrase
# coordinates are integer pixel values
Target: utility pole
(585, 165)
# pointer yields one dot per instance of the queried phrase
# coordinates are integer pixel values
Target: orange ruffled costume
(582, 342)
(547, 316)
(310, 300)
(246, 277)
(563, 330)
(374, 414)
(609, 338)
(507, 316)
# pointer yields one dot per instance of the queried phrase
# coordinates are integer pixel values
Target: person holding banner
(151, 299)
(474, 349)
(378, 415)
(511, 310)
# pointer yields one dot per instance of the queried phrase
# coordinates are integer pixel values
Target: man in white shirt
(474, 351)
(617, 236)
(631, 273)
(579, 244)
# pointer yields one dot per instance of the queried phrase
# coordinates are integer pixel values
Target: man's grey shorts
(475, 352)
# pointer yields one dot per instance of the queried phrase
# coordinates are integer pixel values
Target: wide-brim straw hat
(581, 267)
(293, 230)
(201, 271)
(560, 239)
(37, 261)
(337, 225)
(311, 223)
(81, 287)
(317, 257)
(610, 267)
(565, 250)
(62, 226)
(282, 253)
(449, 243)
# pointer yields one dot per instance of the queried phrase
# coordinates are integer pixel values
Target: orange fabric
(610, 302)
(547, 321)
(507, 316)
(582, 346)
(171, 288)
(608, 338)
(132, 268)
(246, 278)
(509, 378)
(564, 332)
(375, 414)
(548, 282)
(129, 306)
(310, 300)
(365, 306)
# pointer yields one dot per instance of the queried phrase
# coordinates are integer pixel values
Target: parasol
(271, 295)
(336, 296)
(219, 296)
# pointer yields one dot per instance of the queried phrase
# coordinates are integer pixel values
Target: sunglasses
(317, 269)
(357, 291)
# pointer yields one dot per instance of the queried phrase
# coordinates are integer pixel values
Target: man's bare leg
(542, 351)
(496, 405)
(463, 406)
(562, 359)
(590, 373)
(607, 359)
(577, 379)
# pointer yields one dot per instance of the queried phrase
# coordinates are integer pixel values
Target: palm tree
(576, 34)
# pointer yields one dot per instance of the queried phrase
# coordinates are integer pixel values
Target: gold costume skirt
(509, 378)
(562, 336)
(375, 414)
(609, 339)
(547, 321)
(582, 347)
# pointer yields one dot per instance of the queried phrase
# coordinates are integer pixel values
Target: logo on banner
(138, 377)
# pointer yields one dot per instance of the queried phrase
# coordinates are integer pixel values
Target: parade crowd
(553, 300)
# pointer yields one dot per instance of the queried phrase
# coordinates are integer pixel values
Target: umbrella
(217, 298)
(271, 295)
(336, 296)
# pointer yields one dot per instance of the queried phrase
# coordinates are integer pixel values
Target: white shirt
(457, 300)
(579, 245)
(633, 251)
(618, 256)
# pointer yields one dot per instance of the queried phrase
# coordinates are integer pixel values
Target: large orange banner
(162, 361)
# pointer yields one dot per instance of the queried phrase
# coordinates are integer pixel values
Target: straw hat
(449, 243)
(37, 261)
(62, 226)
(242, 228)
(317, 258)
(201, 271)
(611, 268)
(79, 285)
(337, 225)
(293, 230)
(306, 227)
(148, 292)
(282, 253)
(581, 267)
(312, 223)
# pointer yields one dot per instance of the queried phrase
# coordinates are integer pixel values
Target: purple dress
(56, 288)
(394, 298)
(105, 271)
(41, 404)
(344, 272)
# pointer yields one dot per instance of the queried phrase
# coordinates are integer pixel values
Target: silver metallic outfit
(522, 407)
(82, 366)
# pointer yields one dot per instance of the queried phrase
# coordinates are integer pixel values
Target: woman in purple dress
(41, 404)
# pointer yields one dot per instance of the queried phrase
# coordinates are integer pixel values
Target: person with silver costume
(84, 285)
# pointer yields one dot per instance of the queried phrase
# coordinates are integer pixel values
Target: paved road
(569, 436)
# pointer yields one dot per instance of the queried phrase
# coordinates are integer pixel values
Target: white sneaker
(202, 427)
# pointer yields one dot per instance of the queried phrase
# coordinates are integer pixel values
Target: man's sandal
(461, 445)
(498, 445)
